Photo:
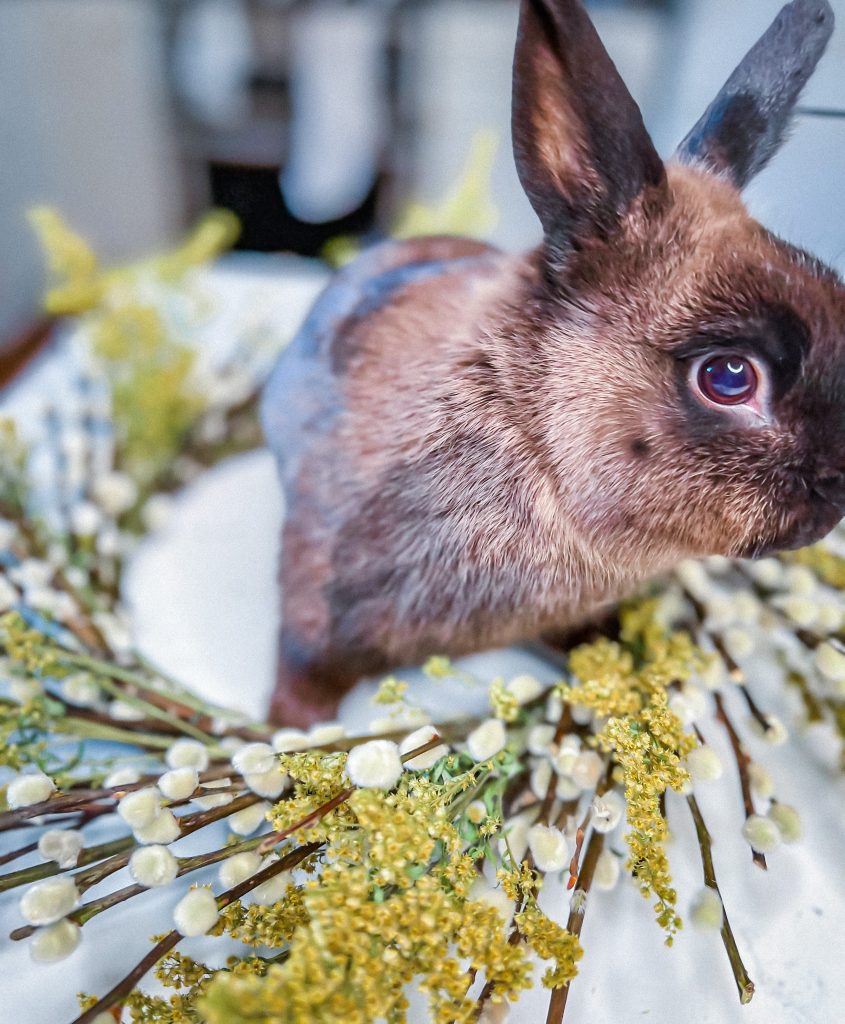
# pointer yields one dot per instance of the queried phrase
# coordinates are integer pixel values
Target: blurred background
(313, 119)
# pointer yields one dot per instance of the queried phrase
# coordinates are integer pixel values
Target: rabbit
(478, 448)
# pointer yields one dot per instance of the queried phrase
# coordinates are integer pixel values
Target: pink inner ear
(581, 148)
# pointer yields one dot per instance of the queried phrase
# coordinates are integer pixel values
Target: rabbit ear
(582, 151)
(744, 126)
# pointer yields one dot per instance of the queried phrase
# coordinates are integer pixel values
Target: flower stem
(557, 1002)
(742, 763)
(122, 989)
(744, 984)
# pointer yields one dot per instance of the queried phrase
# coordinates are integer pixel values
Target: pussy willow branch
(742, 762)
(122, 989)
(85, 880)
(559, 996)
(330, 805)
(744, 984)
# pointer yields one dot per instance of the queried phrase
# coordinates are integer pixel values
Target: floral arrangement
(354, 865)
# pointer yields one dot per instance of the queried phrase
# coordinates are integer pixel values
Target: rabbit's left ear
(582, 151)
(744, 126)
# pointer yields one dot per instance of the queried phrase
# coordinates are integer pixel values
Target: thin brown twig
(744, 984)
(742, 762)
(330, 805)
(557, 1001)
(122, 989)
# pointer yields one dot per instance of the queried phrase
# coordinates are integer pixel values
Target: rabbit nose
(831, 489)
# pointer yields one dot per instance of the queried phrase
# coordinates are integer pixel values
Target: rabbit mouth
(820, 515)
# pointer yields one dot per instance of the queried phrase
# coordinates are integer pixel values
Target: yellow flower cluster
(550, 942)
(272, 926)
(504, 703)
(629, 686)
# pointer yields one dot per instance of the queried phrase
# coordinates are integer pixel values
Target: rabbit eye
(728, 380)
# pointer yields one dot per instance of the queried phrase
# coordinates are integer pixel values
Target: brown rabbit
(477, 448)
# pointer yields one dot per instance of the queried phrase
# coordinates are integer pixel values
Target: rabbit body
(478, 448)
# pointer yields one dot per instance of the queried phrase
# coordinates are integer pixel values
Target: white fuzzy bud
(578, 902)
(186, 753)
(747, 608)
(476, 812)
(515, 836)
(540, 739)
(718, 564)
(270, 784)
(61, 845)
(581, 714)
(525, 688)
(607, 811)
(495, 1013)
(55, 942)
(157, 511)
(548, 848)
(211, 800)
(694, 578)
(374, 765)
(587, 769)
(714, 674)
(567, 753)
(26, 790)
(326, 734)
(49, 901)
(566, 788)
(289, 740)
(704, 765)
(487, 740)
(153, 866)
(762, 834)
(775, 732)
(254, 759)
(607, 871)
(81, 690)
(768, 572)
(140, 808)
(483, 892)
(739, 643)
(788, 821)
(419, 738)
(541, 776)
(85, 519)
(690, 705)
(196, 913)
(123, 776)
(761, 780)
(706, 910)
(8, 532)
(162, 830)
(801, 610)
(721, 611)
(800, 580)
(830, 661)
(32, 573)
(271, 891)
(179, 783)
(238, 869)
(246, 821)
(554, 708)
(123, 711)
(22, 691)
(830, 618)
(115, 493)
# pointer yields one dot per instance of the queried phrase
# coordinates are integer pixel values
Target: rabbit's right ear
(581, 148)
(743, 127)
